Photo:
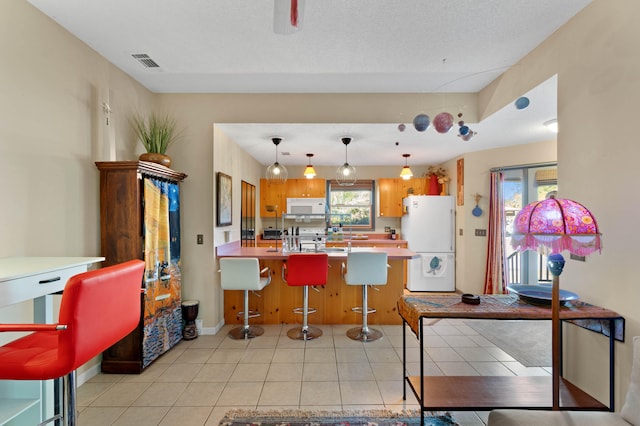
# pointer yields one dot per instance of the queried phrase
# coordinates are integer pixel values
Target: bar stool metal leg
(246, 331)
(307, 332)
(364, 333)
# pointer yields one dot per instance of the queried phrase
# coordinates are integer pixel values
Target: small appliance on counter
(271, 234)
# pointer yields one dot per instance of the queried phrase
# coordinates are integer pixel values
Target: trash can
(189, 315)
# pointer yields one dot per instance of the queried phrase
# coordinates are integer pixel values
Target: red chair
(98, 308)
(305, 269)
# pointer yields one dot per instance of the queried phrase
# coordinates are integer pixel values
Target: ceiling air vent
(145, 60)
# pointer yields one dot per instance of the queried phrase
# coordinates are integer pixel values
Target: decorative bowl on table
(540, 294)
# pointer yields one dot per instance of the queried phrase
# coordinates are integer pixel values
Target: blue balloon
(522, 102)
(421, 122)
(464, 130)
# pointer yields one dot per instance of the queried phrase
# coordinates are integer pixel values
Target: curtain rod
(523, 166)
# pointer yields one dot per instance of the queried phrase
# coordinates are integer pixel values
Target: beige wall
(51, 131)
(598, 85)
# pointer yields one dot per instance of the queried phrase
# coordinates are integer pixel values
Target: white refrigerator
(428, 225)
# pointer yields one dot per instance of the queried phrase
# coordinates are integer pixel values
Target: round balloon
(468, 136)
(443, 122)
(401, 127)
(522, 102)
(464, 130)
(421, 122)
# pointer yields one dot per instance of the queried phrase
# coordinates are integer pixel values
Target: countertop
(234, 249)
(359, 241)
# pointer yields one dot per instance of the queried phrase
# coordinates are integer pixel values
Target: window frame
(360, 185)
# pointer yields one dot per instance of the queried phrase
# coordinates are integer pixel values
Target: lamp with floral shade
(550, 227)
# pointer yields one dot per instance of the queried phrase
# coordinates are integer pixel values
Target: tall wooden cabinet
(140, 219)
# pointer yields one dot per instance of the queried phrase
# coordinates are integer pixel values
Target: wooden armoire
(140, 219)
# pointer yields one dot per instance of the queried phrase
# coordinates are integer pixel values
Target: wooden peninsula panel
(333, 302)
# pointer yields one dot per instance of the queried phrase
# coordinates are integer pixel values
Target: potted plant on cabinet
(156, 133)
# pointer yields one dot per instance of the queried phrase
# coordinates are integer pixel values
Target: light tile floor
(199, 380)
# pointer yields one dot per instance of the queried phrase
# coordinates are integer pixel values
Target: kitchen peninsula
(333, 301)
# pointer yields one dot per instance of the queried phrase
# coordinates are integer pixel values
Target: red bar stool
(98, 308)
(243, 273)
(306, 270)
(365, 269)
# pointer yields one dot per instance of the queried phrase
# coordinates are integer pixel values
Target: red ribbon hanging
(294, 13)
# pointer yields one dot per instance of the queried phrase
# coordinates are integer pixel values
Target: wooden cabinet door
(295, 188)
(390, 197)
(303, 188)
(414, 184)
(316, 188)
(272, 194)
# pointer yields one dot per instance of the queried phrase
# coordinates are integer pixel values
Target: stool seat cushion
(364, 268)
(241, 273)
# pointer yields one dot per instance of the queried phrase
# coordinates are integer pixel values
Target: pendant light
(346, 174)
(406, 170)
(277, 172)
(309, 172)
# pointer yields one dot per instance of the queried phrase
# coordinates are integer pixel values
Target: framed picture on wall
(223, 199)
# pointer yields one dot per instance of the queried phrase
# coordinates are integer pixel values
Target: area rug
(529, 342)
(239, 417)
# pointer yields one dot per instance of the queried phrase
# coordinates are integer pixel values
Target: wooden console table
(489, 392)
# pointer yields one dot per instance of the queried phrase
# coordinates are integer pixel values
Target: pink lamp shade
(554, 225)
(550, 227)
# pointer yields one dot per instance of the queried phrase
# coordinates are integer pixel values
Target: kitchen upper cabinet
(390, 197)
(302, 188)
(273, 194)
(416, 185)
(276, 194)
(393, 190)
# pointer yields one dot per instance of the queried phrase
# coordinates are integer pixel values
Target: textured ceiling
(355, 46)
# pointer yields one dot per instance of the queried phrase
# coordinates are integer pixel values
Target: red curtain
(495, 281)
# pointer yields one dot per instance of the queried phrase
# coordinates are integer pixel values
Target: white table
(34, 278)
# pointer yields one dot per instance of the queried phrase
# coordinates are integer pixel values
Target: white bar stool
(364, 269)
(243, 273)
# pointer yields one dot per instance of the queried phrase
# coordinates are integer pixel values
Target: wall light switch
(460, 232)
(200, 239)
(481, 232)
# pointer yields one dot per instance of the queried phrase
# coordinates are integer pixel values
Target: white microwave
(306, 205)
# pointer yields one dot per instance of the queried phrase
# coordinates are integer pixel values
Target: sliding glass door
(521, 186)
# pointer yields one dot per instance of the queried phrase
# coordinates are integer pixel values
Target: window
(352, 206)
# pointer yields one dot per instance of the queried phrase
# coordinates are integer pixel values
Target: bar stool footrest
(358, 309)
(252, 314)
(301, 311)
